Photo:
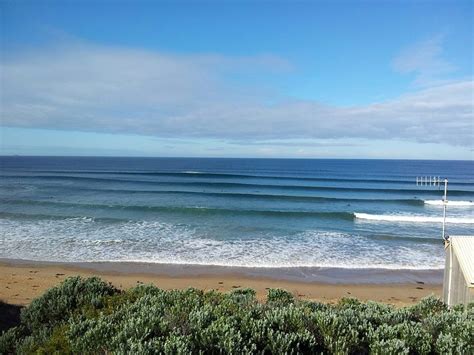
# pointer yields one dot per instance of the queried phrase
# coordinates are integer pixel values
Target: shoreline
(24, 280)
(303, 274)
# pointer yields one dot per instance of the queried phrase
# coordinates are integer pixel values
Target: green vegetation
(89, 316)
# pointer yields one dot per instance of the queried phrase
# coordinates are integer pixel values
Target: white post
(445, 203)
(450, 272)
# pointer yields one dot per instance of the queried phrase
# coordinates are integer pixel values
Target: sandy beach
(22, 281)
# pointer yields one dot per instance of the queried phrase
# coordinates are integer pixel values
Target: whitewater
(251, 213)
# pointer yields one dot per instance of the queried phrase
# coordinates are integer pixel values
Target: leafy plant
(91, 316)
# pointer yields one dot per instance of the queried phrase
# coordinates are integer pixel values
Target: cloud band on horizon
(94, 88)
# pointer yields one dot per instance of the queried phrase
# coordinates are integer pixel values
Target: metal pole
(450, 273)
(445, 203)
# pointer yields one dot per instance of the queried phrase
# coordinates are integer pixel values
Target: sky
(271, 79)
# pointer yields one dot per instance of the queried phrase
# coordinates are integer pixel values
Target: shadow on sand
(9, 316)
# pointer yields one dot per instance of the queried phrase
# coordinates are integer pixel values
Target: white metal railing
(436, 181)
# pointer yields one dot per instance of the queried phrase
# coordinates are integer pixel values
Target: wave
(412, 218)
(450, 203)
(205, 211)
(202, 210)
(257, 196)
(107, 220)
(158, 242)
(63, 217)
(206, 174)
(197, 210)
(231, 185)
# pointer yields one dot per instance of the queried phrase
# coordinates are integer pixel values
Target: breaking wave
(450, 203)
(412, 218)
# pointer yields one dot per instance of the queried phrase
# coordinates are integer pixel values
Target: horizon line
(210, 157)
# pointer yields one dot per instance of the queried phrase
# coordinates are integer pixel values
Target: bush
(277, 296)
(59, 303)
(11, 339)
(43, 328)
(90, 316)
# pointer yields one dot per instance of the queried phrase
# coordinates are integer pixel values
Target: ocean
(269, 213)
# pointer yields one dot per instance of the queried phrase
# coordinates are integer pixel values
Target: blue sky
(319, 79)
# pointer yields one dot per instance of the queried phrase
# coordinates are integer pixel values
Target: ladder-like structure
(436, 181)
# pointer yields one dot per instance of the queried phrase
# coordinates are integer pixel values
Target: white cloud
(425, 60)
(120, 90)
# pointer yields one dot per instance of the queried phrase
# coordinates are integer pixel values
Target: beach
(321, 229)
(348, 214)
(22, 281)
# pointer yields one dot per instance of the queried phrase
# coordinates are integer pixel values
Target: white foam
(412, 218)
(159, 242)
(450, 203)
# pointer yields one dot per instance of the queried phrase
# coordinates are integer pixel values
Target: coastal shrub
(11, 339)
(42, 328)
(87, 316)
(277, 296)
(59, 303)
(426, 307)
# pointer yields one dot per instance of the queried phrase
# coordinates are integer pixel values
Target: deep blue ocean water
(237, 212)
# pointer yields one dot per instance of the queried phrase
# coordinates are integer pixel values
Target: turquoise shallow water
(236, 212)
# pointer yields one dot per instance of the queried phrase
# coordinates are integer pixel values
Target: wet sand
(22, 281)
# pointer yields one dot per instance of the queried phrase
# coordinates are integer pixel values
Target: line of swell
(199, 175)
(253, 186)
(450, 203)
(257, 196)
(412, 218)
(40, 216)
(26, 216)
(277, 213)
(197, 210)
